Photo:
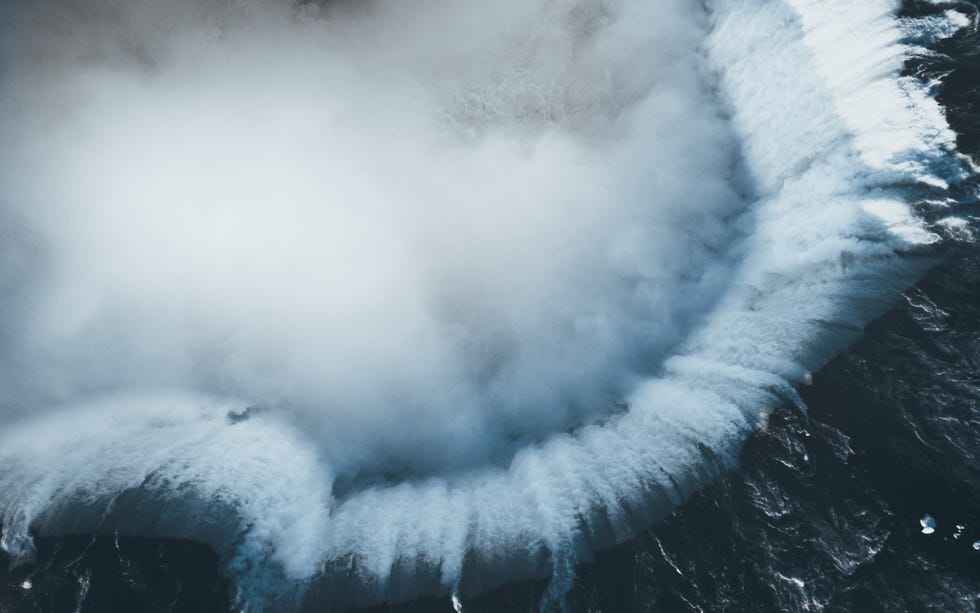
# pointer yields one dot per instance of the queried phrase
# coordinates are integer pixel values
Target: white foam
(754, 293)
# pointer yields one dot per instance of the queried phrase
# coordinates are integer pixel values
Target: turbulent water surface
(317, 306)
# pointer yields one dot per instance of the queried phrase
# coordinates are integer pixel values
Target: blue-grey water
(826, 510)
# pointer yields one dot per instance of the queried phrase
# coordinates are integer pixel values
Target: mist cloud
(477, 222)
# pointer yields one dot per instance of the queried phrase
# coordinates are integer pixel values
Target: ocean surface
(862, 495)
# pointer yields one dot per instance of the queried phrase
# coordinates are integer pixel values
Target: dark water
(824, 514)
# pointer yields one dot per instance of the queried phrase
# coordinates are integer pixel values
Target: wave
(381, 300)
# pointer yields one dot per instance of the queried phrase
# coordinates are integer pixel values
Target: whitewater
(382, 299)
